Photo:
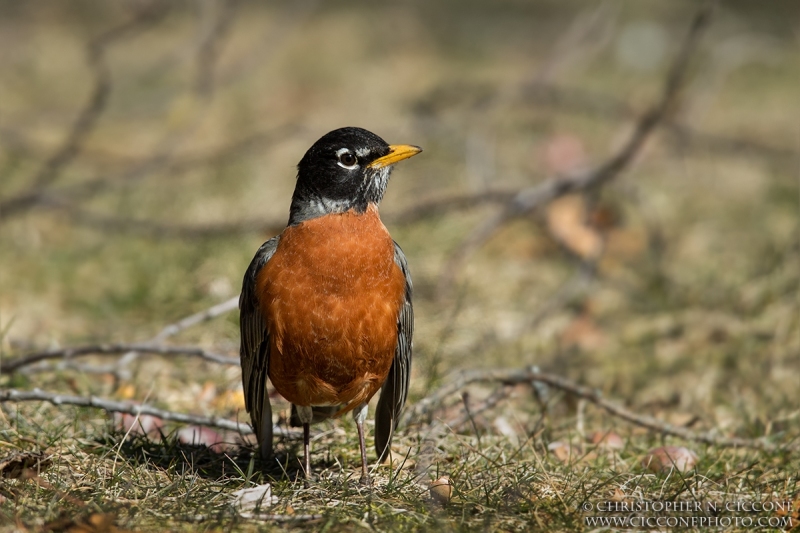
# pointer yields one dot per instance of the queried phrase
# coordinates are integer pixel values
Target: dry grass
(693, 314)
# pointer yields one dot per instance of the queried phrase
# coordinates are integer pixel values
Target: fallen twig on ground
(13, 365)
(88, 116)
(111, 406)
(532, 198)
(426, 406)
(470, 412)
(197, 318)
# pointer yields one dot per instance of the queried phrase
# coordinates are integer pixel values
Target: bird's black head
(346, 169)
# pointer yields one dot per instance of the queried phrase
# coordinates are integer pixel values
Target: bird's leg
(306, 414)
(359, 415)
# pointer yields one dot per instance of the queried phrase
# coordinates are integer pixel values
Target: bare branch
(11, 366)
(426, 406)
(150, 228)
(197, 318)
(37, 395)
(471, 412)
(66, 197)
(211, 43)
(533, 198)
(89, 114)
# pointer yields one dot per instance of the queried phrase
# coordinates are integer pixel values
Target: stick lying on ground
(423, 408)
(532, 198)
(131, 351)
(426, 406)
(111, 406)
(12, 365)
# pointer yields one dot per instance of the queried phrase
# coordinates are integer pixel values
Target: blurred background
(148, 149)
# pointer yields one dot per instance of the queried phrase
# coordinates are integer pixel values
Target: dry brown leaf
(567, 220)
(793, 513)
(14, 466)
(442, 490)
(618, 496)
(666, 458)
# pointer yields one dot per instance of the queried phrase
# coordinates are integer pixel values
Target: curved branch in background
(535, 197)
(197, 318)
(428, 405)
(162, 230)
(66, 198)
(111, 406)
(12, 365)
(90, 113)
(209, 49)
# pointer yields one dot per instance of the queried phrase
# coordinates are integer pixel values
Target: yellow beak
(397, 152)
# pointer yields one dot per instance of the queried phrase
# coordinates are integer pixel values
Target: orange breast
(331, 295)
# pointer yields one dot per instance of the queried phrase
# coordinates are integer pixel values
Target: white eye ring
(346, 159)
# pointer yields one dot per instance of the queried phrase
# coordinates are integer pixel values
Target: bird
(326, 306)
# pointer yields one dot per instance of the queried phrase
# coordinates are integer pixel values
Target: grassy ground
(692, 313)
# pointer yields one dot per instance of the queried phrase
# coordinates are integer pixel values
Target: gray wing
(254, 351)
(395, 388)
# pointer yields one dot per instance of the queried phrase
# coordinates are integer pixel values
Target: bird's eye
(347, 159)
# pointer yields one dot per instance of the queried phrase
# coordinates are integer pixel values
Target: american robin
(326, 305)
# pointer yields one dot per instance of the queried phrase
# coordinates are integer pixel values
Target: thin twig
(111, 406)
(471, 412)
(535, 197)
(426, 406)
(160, 230)
(163, 160)
(87, 118)
(130, 351)
(197, 318)
(11, 366)
(210, 45)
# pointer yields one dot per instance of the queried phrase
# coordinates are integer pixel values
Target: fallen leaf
(442, 490)
(253, 498)
(618, 496)
(567, 220)
(14, 466)
(666, 458)
(792, 511)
